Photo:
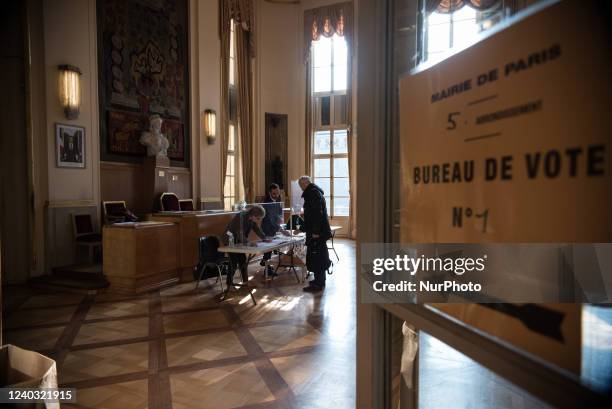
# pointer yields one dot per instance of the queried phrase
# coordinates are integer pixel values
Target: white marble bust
(153, 139)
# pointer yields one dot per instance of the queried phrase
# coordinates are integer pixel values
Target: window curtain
(241, 11)
(449, 6)
(327, 21)
(245, 107)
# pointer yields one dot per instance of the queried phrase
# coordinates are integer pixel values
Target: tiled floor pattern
(181, 348)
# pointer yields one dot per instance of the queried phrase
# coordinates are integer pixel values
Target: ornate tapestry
(143, 70)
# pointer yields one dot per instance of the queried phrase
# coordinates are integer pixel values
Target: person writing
(316, 227)
(271, 223)
(241, 226)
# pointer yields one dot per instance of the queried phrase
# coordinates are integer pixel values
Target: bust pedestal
(156, 175)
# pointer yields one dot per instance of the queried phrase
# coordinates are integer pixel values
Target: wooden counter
(141, 256)
(192, 226)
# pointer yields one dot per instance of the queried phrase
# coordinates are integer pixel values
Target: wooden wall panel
(179, 182)
(120, 181)
(123, 181)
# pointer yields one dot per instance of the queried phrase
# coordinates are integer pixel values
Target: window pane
(321, 168)
(232, 38)
(228, 188)
(464, 13)
(321, 52)
(339, 109)
(325, 111)
(341, 206)
(438, 36)
(341, 167)
(340, 141)
(465, 29)
(232, 137)
(596, 357)
(322, 142)
(322, 79)
(232, 80)
(438, 18)
(340, 50)
(233, 104)
(437, 361)
(433, 57)
(341, 186)
(229, 165)
(231, 186)
(339, 77)
(323, 183)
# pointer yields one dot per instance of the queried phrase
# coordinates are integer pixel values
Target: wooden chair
(169, 202)
(85, 236)
(114, 211)
(186, 205)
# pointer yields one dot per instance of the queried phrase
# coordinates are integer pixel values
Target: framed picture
(70, 146)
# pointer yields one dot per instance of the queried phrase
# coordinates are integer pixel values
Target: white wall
(207, 95)
(70, 38)
(279, 83)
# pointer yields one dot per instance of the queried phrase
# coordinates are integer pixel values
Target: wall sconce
(210, 125)
(70, 90)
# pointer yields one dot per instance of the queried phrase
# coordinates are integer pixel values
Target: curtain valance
(241, 11)
(449, 6)
(327, 21)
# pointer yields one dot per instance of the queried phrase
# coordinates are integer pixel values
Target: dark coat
(316, 220)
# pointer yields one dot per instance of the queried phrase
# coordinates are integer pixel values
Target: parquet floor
(182, 348)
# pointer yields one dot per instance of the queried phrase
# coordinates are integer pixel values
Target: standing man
(271, 223)
(316, 226)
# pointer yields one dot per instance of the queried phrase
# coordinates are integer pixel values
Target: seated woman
(241, 226)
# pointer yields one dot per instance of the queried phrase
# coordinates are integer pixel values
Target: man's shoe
(312, 288)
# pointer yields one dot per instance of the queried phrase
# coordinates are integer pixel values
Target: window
(445, 31)
(229, 189)
(329, 64)
(233, 191)
(330, 129)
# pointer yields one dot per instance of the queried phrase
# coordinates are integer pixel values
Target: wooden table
(262, 247)
(140, 256)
